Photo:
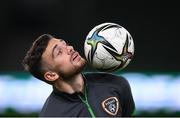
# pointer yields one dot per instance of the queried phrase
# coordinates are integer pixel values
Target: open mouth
(75, 55)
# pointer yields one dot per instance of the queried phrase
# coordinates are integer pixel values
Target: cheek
(62, 60)
(66, 67)
(63, 64)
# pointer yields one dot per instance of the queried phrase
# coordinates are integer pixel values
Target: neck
(74, 84)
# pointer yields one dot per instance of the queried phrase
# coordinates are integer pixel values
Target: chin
(77, 68)
(82, 63)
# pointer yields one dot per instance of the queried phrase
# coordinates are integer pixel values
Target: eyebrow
(61, 40)
(54, 50)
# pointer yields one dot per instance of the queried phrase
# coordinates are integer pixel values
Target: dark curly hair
(32, 59)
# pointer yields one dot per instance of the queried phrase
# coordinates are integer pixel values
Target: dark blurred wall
(154, 27)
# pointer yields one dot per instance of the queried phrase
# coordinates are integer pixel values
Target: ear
(51, 76)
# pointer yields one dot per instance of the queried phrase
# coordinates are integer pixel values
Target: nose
(70, 49)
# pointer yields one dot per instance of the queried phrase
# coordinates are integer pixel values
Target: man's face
(62, 58)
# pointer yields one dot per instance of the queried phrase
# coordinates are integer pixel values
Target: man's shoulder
(50, 106)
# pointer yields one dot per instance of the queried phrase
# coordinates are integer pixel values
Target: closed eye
(59, 51)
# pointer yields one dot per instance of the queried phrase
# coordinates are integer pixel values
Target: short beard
(69, 77)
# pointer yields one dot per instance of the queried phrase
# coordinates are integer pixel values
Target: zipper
(90, 110)
(85, 101)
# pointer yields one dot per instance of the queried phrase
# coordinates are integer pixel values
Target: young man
(76, 94)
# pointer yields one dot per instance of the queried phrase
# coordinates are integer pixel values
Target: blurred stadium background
(154, 73)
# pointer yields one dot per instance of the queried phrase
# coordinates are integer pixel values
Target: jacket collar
(73, 96)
